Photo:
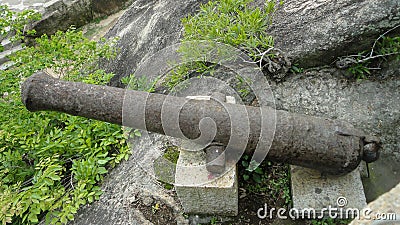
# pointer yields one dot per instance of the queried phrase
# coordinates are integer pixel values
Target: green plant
(296, 69)
(261, 178)
(155, 208)
(168, 186)
(187, 70)
(213, 220)
(171, 154)
(360, 70)
(139, 83)
(52, 163)
(232, 22)
(68, 55)
(242, 86)
(360, 65)
(235, 23)
(14, 24)
(99, 19)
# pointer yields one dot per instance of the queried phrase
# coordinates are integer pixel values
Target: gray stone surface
(61, 14)
(20, 5)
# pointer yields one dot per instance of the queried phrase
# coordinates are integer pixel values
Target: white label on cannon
(199, 97)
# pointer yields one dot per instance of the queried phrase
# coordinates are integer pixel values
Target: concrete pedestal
(200, 192)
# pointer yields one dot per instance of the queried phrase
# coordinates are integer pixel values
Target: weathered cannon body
(331, 146)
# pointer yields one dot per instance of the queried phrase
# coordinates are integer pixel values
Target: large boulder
(315, 33)
(312, 33)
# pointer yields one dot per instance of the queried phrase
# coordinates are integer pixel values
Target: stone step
(4, 55)
(6, 65)
(311, 191)
(7, 44)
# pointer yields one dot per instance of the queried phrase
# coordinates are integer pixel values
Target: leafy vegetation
(296, 69)
(242, 86)
(52, 163)
(142, 83)
(232, 22)
(213, 220)
(264, 179)
(363, 63)
(14, 24)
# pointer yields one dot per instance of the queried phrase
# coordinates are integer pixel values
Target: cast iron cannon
(331, 146)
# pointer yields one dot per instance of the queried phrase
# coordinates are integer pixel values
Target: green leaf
(259, 170)
(102, 170)
(90, 199)
(54, 177)
(70, 216)
(35, 196)
(102, 161)
(257, 178)
(48, 181)
(33, 218)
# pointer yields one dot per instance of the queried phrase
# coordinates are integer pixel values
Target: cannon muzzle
(331, 146)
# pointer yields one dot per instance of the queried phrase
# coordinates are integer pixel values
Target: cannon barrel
(331, 146)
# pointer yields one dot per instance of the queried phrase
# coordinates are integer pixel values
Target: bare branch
(377, 56)
(380, 37)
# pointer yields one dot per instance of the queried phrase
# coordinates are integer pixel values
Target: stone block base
(200, 192)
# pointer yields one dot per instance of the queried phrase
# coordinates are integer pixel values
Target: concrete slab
(310, 190)
(5, 54)
(20, 5)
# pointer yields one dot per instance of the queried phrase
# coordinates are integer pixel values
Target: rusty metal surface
(331, 146)
(43, 92)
